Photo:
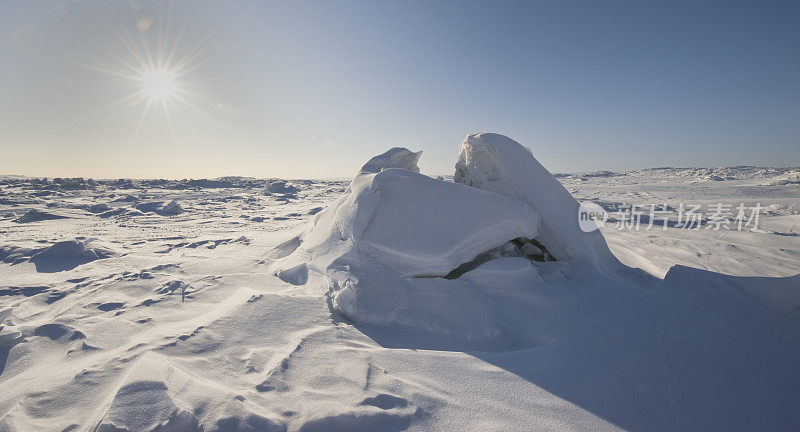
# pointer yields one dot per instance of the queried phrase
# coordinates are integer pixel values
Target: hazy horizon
(141, 89)
(349, 177)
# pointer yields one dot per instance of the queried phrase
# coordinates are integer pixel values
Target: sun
(158, 84)
(160, 71)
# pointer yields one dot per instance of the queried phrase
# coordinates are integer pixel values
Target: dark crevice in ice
(519, 247)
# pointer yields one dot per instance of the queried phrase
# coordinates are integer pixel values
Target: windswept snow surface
(408, 303)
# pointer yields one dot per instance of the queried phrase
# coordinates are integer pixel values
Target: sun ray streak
(178, 38)
(130, 98)
(131, 68)
(212, 36)
(105, 70)
(196, 109)
(125, 37)
(168, 115)
(147, 52)
(187, 60)
(185, 91)
(162, 34)
(197, 64)
(139, 124)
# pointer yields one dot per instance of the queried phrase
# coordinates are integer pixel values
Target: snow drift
(67, 255)
(8, 335)
(157, 396)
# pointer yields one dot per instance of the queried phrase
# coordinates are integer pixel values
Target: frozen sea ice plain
(407, 303)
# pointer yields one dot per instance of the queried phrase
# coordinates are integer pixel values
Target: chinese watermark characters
(635, 217)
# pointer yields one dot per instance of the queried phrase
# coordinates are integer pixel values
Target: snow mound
(66, 255)
(396, 157)
(501, 165)
(281, 187)
(126, 198)
(171, 208)
(99, 208)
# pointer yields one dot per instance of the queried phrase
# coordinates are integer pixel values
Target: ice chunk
(281, 187)
(397, 157)
(169, 209)
(499, 164)
(99, 208)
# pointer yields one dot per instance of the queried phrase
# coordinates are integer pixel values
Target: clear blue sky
(313, 89)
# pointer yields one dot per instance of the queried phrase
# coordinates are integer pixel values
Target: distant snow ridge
(403, 248)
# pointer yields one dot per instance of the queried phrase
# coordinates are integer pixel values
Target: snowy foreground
(399, 301)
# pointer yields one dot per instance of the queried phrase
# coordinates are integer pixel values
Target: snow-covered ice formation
(394, 226)
(499, 164)
(280, 187)
(396, 157)
(164, 209)
(403, 250)
(395, 234)
(416, 226)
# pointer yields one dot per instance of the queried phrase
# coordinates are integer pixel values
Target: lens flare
(152, 54)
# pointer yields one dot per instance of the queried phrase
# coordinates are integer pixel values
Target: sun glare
(158, 84)
(162, 69)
